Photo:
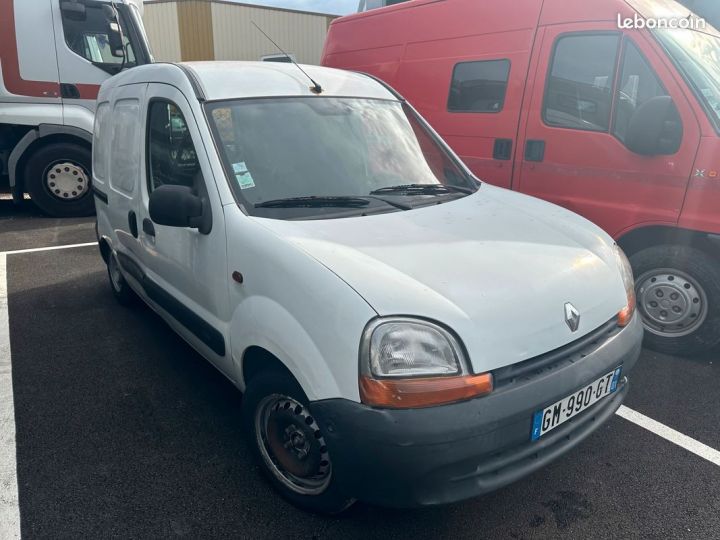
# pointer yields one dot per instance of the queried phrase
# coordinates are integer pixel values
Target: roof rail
(385, 85)
(194, 82)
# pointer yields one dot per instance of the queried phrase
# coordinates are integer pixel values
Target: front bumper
(437, 455)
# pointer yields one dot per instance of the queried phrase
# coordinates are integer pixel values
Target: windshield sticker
(243, 176)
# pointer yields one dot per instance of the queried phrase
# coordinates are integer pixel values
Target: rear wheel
(120, 288)
(289, 444)
(57, 176)
(678, 296)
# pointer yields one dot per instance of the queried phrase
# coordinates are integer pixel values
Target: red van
(610, 108)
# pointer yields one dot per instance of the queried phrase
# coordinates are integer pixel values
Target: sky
(339, 7)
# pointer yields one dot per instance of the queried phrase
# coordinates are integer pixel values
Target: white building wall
(235, 38)
(161, 24)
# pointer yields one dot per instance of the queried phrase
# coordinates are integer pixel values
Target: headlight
(412, 363)
(412, 349)
(626, 313)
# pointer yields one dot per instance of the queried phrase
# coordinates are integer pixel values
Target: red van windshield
(697, 56)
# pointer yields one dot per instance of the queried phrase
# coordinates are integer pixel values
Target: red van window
(579, 89)
(638, 83)
(479, 86)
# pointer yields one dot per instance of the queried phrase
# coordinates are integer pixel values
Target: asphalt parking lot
(121, 430)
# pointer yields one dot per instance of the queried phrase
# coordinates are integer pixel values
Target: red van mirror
(655, 128)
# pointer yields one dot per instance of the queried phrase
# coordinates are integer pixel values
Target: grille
(572, 352)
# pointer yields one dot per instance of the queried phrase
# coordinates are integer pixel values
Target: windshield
(312, 148)
(697, 56)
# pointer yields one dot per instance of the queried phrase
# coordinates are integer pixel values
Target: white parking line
(9, 506)
(49, 248)
(668, 433)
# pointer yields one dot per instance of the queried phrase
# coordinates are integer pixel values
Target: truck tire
(57, 177)
(678, 297)
(288, 444)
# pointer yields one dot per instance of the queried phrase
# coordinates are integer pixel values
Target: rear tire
(120, 288)
(284, 436)
(57, 177)
(678, 296)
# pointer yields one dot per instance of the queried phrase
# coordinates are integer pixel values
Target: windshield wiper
(315, 201)
(422, 189)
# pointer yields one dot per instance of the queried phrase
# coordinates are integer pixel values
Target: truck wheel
(678, 297)
(57, 176)
(288, 444)
(120, 288)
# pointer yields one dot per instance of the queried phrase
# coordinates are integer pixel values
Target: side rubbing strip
(204, 331)
(100, 195)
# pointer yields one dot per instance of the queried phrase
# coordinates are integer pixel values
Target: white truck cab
(54, 55)
(403, 333)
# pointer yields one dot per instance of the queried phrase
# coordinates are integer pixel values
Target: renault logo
(572, 316)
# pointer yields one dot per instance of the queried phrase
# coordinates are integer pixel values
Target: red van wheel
(678, 297)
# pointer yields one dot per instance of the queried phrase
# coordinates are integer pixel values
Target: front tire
(289, 445)
(678, 297)
(57, 177)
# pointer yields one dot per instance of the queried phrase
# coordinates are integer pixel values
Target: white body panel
(43, 56)
(36, 40)
(495, 267)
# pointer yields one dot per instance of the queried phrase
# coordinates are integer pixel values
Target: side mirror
(114, 32)
(115, 39)
(178, 206)
(655, 128)
(73, 10)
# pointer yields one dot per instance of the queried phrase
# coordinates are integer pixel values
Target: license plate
(556, 414)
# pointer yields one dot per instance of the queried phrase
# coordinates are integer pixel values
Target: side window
(100, 142)
(86, 34)
(171, 154)
(125, 161)
(579, 88)
(479, 86)
(638, 83)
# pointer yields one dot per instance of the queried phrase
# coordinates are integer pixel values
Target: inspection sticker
(243, 176)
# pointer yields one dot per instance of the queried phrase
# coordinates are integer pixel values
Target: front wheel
(289, 445)
(678, 297)
(57, 176)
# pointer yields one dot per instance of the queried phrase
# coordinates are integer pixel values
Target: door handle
(502, 149)
(148, 227)
(132, 223)
(534, 150)
(69, 91)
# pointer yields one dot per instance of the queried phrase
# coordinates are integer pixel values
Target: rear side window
(479, 86)
(638, 83)
(125, 163)
(172, 159)
(100, 141)
(579, 87)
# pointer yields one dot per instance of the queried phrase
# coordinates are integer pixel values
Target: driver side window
(172, 159)
(638, 83)
(87, 35)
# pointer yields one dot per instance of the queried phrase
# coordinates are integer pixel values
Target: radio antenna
(315, 88)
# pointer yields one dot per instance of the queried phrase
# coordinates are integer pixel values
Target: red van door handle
(534, 150)
(502, 149)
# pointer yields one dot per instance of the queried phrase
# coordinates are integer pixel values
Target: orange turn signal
(625, 315)
(423, 392)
